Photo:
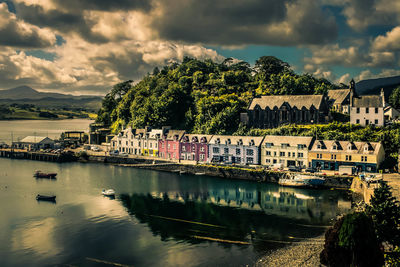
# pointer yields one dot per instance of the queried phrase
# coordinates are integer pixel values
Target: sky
(87, 46)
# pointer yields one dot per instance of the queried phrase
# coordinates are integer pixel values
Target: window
(174, 146)
(131, 143)
(202, 148)
(376, 121)
(357, 121)
(267, 161)
(226, 150)
(268, 153)
(348, 157)
(202, 156)
(333, 156)
(249, 160)
(300, 155)
(249, 152)
(156, 145)
(301, 146)
(169, 146)
(366, 110)
(183, 148)
(238, 159)
(274, 153)
(282, 154)
(151, 145)
(237, 151)
(216, 150)
(268, 145)
(119, 141)
(358, 110)
(376, 110)
(319, 156)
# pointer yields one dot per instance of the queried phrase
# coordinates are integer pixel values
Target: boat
(302, 180)
(51, 198)
(50, 175)
(200, 173)
(108, 192)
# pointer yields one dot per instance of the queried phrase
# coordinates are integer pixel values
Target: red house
(194, 147)
(169, 146)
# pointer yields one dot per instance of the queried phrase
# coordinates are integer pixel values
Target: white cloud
(390, 41)
(367, 74)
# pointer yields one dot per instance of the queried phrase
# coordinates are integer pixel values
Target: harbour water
(156, 218)
(18, 129)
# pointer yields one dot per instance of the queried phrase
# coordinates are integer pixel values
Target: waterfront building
(98, 133)
(339, 100)
(241, 150)
(169, 145)
(367, 109)
(194, 147)
(123, 141)
(34, 143)
(285, 151)
(149, 141)
(276, 110)
(330, 154)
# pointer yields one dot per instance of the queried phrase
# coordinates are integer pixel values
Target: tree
(394, 98)
(268, 65)
(385, 212)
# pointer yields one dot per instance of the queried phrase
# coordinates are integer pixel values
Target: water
(156, 219)
(18, 129)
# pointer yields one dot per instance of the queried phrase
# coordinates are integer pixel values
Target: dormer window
(285, 145)
(217, 141)
(240, 142)
(228, 141)
(251, 143)
(269, 145)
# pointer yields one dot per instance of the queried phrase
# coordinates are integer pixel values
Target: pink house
(168, 146)
(194, 147)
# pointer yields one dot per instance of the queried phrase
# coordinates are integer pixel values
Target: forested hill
(202, 96)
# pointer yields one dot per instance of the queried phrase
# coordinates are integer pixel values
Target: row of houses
(269, 151)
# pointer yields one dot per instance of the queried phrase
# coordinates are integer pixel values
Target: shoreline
(303, 253)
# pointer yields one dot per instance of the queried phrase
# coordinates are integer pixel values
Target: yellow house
(286, 151)
(330, 154)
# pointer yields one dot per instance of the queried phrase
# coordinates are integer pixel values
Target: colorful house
(286, 151)
(194, 147)
(242, 150)
(169, 145)
(330, 154)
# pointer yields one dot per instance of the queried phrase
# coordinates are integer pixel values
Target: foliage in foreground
(352, 242)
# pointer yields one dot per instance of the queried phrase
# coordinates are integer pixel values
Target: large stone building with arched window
(274, 111)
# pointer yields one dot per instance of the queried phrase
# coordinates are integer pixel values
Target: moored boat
(302, 180)
(51, 198)
(50, 175)
(108, 192)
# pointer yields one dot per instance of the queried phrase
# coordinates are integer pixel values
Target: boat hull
(46, 198)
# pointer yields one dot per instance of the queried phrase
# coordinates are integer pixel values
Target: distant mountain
(373, 86)
(27, 95)
(26, 92)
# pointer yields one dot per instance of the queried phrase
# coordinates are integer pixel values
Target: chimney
(383, 97)
(352, 91)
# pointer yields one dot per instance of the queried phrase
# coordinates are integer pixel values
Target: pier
(33, 155)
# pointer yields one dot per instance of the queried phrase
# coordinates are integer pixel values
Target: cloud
(367, 74)
(390, 41)
(17, 33)
(227, 22)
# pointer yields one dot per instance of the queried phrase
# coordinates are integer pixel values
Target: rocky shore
(305, 253)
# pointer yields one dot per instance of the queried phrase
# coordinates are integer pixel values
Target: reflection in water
(235, 216)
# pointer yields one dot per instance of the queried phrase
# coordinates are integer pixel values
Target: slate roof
(338, 96)
(172, 133)
(344, 147)
(34, 139)
(234, 140)
(293, 141)
(298, 101)
(198, 136)
(374, 101)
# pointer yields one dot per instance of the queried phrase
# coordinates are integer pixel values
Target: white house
(367, 109)
(242, 150)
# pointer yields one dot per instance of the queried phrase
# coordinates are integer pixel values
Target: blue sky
(86, 46)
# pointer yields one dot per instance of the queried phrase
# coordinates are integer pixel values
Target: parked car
(310, 170)
(294, 169)
(95, 149)
(123, 154)
(114, 153)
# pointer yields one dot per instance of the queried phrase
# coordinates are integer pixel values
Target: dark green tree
(394, 98)
(384, 210)
(268, 65)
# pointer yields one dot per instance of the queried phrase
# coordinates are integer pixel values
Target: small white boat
(108, 192)
(301, 180)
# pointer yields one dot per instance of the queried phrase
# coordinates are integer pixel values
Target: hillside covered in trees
(202, 96)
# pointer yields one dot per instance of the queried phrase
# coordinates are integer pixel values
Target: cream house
(286, 151)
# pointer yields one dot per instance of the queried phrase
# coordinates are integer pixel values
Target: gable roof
(291, 140)
(298, 101)
(343, 146)
(374, 101)
(35, 139)
(198, 136)
(234, 139)
(172, 133)
(337, 96)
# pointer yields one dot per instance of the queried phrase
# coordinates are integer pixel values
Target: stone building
(277, 110)
(339, 100)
